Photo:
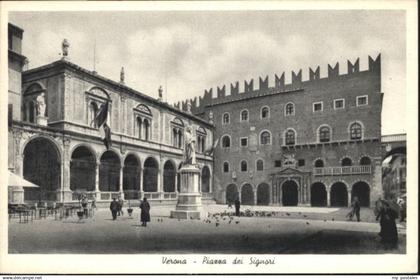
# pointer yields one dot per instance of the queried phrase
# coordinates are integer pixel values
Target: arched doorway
(247, 195)
(231, 193)
(318, 194)
(150, 175)
(205, 180)
(362, 191)
(263, 194)
(109, 172)
(42, 166)
(82, 170)
(131, 177)
(339, 196)
(290, 193)
(169, 174)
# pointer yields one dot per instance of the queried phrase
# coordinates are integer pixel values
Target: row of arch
(345, 161)
(338, 194)
(324, 135)
(42, 165)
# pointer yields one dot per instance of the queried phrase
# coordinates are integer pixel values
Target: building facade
(315, 142)
(54, 142)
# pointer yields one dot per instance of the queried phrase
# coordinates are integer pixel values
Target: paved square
(245, 235)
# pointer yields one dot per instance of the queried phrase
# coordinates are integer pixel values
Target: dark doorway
(231, 193)
(109, 172)
(247, 195)
(362, 191)
(131, 177)
(263, 194)
(205, 180)
(169, 175)
(339, 196)
(290, 193)
(318, 195)
(82, 170)
(42, 167)
(150, 175)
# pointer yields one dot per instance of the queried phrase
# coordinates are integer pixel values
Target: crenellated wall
(220, 95)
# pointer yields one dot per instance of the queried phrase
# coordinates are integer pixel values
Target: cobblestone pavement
(244, 235)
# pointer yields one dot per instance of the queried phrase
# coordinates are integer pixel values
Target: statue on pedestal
(65, 48)
(189, 152)
(40, 105)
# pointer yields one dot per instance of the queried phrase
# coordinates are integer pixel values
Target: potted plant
(129, 209)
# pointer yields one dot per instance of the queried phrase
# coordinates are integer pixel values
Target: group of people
(237, 206)
(84, 203)
(116, 208)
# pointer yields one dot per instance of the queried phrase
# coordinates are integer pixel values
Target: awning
(17, 181)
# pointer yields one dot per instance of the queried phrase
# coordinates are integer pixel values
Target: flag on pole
(211, 150)
(100, 121)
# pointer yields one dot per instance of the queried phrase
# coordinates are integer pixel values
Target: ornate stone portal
(189, 197)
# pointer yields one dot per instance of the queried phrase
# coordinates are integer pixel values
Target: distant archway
(131, 177)
(82, 170)
(318, 194)
(362, 191)
(247, 195)
(231, 193)
(205, 180)
(109, 172)
(150, 175)
(42, 166)
(339, 196)
(290, 193)
(169, 175)
(263, 194)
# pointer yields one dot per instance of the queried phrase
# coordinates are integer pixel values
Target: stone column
(65, 194)
(328, 197)
(160, 179)
(255, 196)
(140, 183)
(120, 187)
(97, 191)
(349, 198)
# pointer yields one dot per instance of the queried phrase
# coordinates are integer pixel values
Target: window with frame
(290, 137)
(265, 138)
(244, 141)
(201, 139)
(225, 167)
(362, 100)
(265, 112)
(277, 163)
(226, 118)
(365, 161)
(355, 131)
(317, 107)
(260, 165)
(338, 104)
(244, 166)
(290, 109)
(324, 134)
(244, 115)
(301, 162)
(226, 141)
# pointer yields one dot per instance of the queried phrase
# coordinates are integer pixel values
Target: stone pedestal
(41, 120)
(15, 195)
(189, 197)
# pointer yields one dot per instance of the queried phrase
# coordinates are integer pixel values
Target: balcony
(342, 170)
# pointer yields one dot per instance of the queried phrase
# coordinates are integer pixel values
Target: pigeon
(287, 214)
(230, 221)
(237, 222)
(217, 224)
(325, 220)
(307, 223)
(305, 216)
(332, 219)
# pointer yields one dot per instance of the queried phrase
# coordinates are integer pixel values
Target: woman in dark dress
(388, 232)
(145, 212)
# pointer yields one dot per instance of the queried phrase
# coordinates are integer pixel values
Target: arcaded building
(54, 142)
(314, 142)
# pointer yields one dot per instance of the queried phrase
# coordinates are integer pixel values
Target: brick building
(315, 142)
(54, 143)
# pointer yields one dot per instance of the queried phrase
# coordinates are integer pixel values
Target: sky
(188, 52)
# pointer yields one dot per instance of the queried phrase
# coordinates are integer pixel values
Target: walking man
(237, 206)
(114, 208)
(120, 206)
(356, 208)
(145, 212)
